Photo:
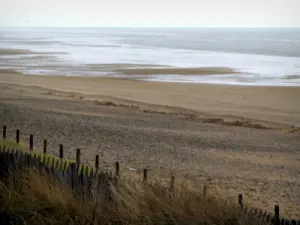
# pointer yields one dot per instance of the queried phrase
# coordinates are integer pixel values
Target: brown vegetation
(36, 198)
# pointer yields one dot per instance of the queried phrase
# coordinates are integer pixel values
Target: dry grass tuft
(35, 198)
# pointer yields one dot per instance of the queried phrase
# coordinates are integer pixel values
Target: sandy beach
(236, 139)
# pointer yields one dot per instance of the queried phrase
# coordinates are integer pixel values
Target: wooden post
(205, 191)
(240, 200)
(61, 151)
(145, 175)
(40, 163)
(18, 136)
(277, 220)
(45, 146)
(117, 169)
(172, 184)
(97, 162)
(78, 156)
(65, 166)
(260, 213)
(74, 174)
(4, 132)
(31, 142)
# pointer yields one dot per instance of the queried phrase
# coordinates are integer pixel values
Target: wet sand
(234, 139)
(5, 51)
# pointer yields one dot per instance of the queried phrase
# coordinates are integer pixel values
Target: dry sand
(233, 138)
(273, 105)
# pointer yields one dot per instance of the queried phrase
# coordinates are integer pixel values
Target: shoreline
(54, 63)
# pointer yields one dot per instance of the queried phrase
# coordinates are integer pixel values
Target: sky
(150, 13)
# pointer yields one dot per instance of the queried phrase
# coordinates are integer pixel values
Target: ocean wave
(177, 71)
(97, 45)
(291, 77)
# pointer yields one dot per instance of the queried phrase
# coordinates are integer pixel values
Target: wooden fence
(86, 180)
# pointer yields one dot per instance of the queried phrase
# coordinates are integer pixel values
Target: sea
(259, 56)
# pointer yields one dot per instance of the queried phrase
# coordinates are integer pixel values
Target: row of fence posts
(78, 153)
(276, 218)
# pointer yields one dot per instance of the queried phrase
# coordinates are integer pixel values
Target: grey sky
(203, 13)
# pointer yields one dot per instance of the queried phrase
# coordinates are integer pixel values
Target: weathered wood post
(45, 146)
(117, 169)
(61, 151)
(4, 132)
(240, 201)
(172, 184)
(276, 218)
(78, 154)
(18, 136)
(31, 142)
(260, 213)
(97, 163)
(74, 174)
(205, 191)
(145, 175)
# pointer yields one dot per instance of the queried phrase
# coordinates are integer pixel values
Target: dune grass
(35, 198)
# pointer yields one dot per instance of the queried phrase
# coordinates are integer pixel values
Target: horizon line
(155, 27)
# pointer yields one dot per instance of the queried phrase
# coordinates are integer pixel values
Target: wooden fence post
(45, 146)
(61, 151)
(74, 175)
(205, 191)
(277, 220)
(31, 142)
(240, 200)
(145, 175)
(18, 136)
(117, 169)
(4, 132)
(78, 153)
(97, 163)
(172, 184)
(260, 213)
